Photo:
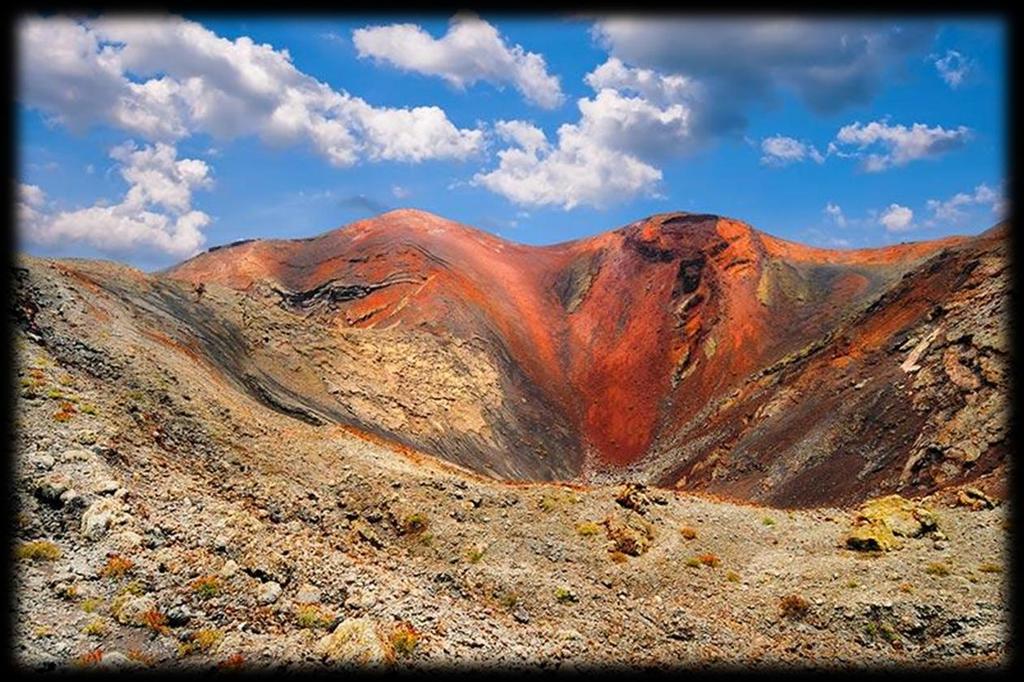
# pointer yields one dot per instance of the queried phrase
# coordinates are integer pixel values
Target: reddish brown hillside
(629, 339)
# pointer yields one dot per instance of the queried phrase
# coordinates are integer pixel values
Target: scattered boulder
(108, 487)
(871, 536)
(115, 660)
(268, 566)
(878, 523)
(638, 497)
(354, 641)
(308, 594)
(43, 461)
(269, 593)
(179, 615)
(959, 373)
(229, 569)
(127, 540)
(76, 455)
(72, 500)
(50, 489)
(367, 534)
(679, 626)
(97, 519)
(131, 611)
(906, 518)
(155, 538)
(632, 536)
(975, 499)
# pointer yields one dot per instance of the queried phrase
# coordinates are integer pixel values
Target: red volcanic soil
(629, 334)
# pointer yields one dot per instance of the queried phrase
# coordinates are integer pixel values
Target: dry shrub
(38, 550)
(207, 586)
(404, 638)
(794, 607)
(709, 559)
(117, 566)
(232, 662)
(155, 621)
(90, 658)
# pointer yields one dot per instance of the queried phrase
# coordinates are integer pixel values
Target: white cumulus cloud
(896, 218)
(780, 150)
(636, 125)
(635, 118)
(578, 171)
(953, 68)
(878, 145)
(659, 88)
(835, 214)
(156, 212)
(472, 50)
(31, 195)
(952, 210)
(897, 145)
(168, 78)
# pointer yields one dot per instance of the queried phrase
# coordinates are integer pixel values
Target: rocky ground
(166, 519)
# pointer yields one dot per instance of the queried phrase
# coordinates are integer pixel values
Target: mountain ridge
(410, 211)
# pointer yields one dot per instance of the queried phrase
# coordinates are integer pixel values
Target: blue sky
(147, 140)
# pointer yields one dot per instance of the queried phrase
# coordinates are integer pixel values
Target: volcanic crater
(688, 350)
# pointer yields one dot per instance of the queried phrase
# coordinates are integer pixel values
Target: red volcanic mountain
(689, 349)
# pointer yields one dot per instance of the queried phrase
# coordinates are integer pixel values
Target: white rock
(115, 659)
(51, 488)
(76, 455)
(43, 462)
(96, 520)
(308, 594)
(229, 569)
(127, 540)
(269, 593)
(81, 566)
(133, 609)
(355, 640)
(108, 486)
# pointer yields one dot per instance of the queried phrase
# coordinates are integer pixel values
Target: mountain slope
(654, 347)
(686, 350)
